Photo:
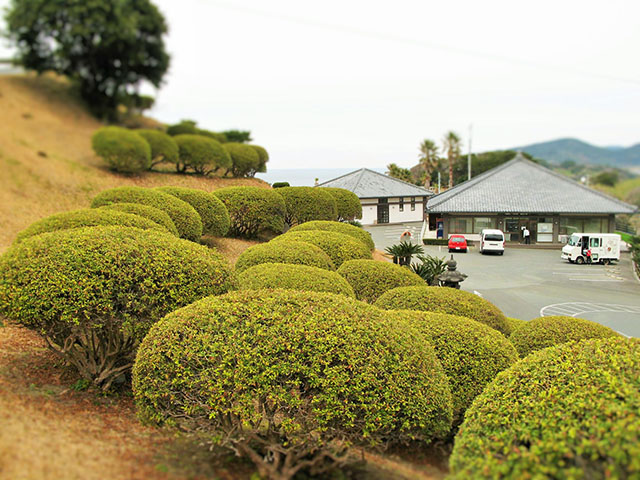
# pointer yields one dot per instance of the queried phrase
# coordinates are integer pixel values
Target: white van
(605, 248)
(492, 241)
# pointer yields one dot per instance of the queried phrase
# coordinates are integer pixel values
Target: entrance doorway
(513, 229)
(383, 210)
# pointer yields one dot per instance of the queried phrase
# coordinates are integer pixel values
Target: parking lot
(527, 283)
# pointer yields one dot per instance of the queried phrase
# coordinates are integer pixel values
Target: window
(413, 203)
(480, 223)
(460, 225)
(401, 204)
(569, 225)
(511, 225)
(595, 242)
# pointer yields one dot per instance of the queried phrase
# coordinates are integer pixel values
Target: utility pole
(469, 154)
(438, 181)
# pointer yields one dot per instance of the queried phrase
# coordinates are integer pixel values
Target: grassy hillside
(46, 161)
(558, 151)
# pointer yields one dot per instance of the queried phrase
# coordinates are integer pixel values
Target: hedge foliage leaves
(338, 246)
(339, 227)
(213, 213)
(293, 252)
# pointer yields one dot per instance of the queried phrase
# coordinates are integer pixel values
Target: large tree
(451, 145)
(108, 46)
(395, 171)
(428, 159)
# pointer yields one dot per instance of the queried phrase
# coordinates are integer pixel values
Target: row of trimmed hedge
(135, 151)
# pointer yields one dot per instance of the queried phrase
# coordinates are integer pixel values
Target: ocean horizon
(306, 177)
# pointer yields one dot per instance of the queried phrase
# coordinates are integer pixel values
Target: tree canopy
(109, 46)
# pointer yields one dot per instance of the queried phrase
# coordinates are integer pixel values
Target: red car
(457, 243)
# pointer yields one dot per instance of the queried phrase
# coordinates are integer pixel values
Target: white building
(384, 199)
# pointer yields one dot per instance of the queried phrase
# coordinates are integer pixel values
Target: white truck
(604, 248)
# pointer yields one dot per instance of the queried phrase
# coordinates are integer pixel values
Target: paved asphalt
(529, 283)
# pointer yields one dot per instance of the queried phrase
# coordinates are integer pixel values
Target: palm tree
(451, 145)
(428, 158)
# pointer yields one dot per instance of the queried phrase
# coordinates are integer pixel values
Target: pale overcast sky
(361, 83)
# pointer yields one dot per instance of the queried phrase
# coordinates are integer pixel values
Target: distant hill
(557, 151)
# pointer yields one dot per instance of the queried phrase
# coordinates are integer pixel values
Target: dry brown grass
(46, 161)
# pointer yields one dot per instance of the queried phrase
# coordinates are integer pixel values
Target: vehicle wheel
(580, 260)
(501, 253)
(606, 261)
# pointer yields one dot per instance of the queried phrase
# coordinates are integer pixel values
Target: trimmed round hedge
(293, 277)
(123, 150)
(303, 368)
(202, 154)
(183, 215)
(94, 292)
(152, 213)
(263, 158)
(445, 300)
(471, 353)
(244, 158)
(370, 278)
(347, 203)
(213, 213)
(296, 253)
(340, 227)
(569, 411)
(307, 203)
(544, 332)
(87, 218)
(338, 246)
(163, 147)
(514, 323)
(252, 210)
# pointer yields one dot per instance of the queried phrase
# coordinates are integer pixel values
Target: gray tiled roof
(366, 183)
(523, 186)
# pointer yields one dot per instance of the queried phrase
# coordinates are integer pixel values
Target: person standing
(526, 236)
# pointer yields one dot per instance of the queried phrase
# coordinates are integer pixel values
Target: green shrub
(514, 323)
(252, 210)
(203, 155)
(280, 184)
(347, 203)
(185, 127)
(293, 277)
(86, 218)
(295, 253)
(435, 241)
(152, 213)
(445, 300)
(263, 158)
(370, 278)
(183, 215)
(340, 227)
(213, 213)
(163, 147)
(570, 411)
(338, 246)
(307, 203)
(244, 158)
(287, 378)
(471, 353)
(123, 150)
(219, 137)
(94, 292)
(544, 332)
(429, 268)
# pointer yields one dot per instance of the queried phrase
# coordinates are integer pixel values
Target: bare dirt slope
(46, 161)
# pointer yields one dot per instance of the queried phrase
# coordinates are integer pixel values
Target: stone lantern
(451, 277)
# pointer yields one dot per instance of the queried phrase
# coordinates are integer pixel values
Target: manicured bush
(295, 253)
(219, 137)
(213, 213)
(307, 203)
(288, 379)
(293, 277)
(370, 278)
(122, 150)
(252, 210)
(544, 332)
(86, 218)
(263, 156)
(514, 323)
(471, 353)
(164, 149)
(280, 184)
(445, 300)
(569, 411)
(185, 127)
(201, 154)
(244, 158)
(152, 213)
(183, 215)
(340, 227)
(94, 292)
(338, 246)
(347, 203)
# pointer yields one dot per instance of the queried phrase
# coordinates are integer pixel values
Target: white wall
(370, 211)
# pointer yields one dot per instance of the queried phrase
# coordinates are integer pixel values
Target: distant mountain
(557, 151)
